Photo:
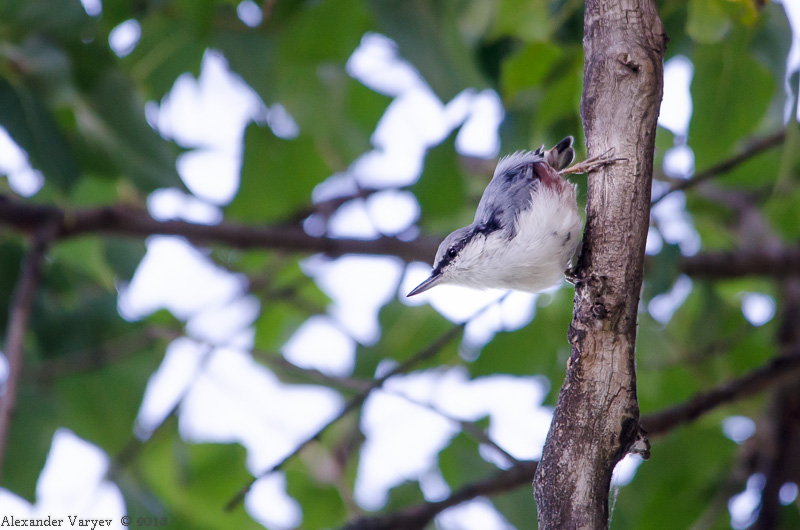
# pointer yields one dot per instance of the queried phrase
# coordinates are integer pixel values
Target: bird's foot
(573, 276)
(593, 163)
(641, 445)
(577, 276)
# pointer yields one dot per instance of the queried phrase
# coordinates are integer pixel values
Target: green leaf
(339, 25)
(405, 495)
(277, 176)
(558, 112)
(428, 37)
(117, 140)
(336, 110)
(88, 256)
(101, 403)
(526, 19)
(687, 469)
(96, 393)
(405, 331)
(758, 172)
(665, 140)
(310, 80)
(29, 123)
(123, 256)
(790, 157)
(327, 510)
(193, 481)
(276, 323)
(529, 67)
(34, 423)
(518, 506)
(77, 318)
(60, 19)
(441, 190)
(541, 347)
(662, 270)
(461, 463)
(167, 48)
(783, 213)
(93, 191)
(721, 117)
(712, 221)
(709, 20)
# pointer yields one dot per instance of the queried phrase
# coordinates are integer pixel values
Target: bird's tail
(561, 155)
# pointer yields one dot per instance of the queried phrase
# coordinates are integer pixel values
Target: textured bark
(596, 420)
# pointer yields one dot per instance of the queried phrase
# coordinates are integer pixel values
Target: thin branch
(735, 477)
(114, 351)
(136, 444)
(124, 220)
(778, 455)
(781, 427)
(278, 363)
(775, 262)
(776, 372)
(470, 428)
(754, 148)
(130, 222)
(328, 207)
(354, 403)
(417, 517)
(17, 328)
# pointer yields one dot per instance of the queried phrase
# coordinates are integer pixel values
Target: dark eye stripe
(452, 252)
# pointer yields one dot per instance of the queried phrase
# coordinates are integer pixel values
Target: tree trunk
(596, 420)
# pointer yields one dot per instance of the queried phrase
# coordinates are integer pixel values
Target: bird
(527, 225)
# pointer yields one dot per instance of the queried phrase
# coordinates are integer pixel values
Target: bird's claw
(573, 276)
(588, 165)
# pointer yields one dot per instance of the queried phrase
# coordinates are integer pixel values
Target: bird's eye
(451, 252)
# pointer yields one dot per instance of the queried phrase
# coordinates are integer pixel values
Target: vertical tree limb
(596, 420)
(780, 448)
(17, 328)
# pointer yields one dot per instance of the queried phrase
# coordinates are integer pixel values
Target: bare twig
(775, 262)
(754, 148)
(470, 428)
(278, 363)
(127, 221)
(328, 207)
(782, 426)
(592, 164)
(775, 372)
(135, 445)
(17, 328)
(354, 403)
(107, 354)
(417, 517)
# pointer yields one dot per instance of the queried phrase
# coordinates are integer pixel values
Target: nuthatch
(526, 228)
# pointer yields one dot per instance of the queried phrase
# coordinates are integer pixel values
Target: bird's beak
(434, 279)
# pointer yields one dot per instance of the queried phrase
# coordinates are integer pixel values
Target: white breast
(547, 235)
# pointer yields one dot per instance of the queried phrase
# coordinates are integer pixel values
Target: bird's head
(455, 258)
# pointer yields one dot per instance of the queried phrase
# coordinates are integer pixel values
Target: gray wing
(516, 176)
(508, 193)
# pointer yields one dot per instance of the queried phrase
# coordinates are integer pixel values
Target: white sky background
(225, 390)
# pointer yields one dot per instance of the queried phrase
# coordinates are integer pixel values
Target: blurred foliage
(78, 111)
